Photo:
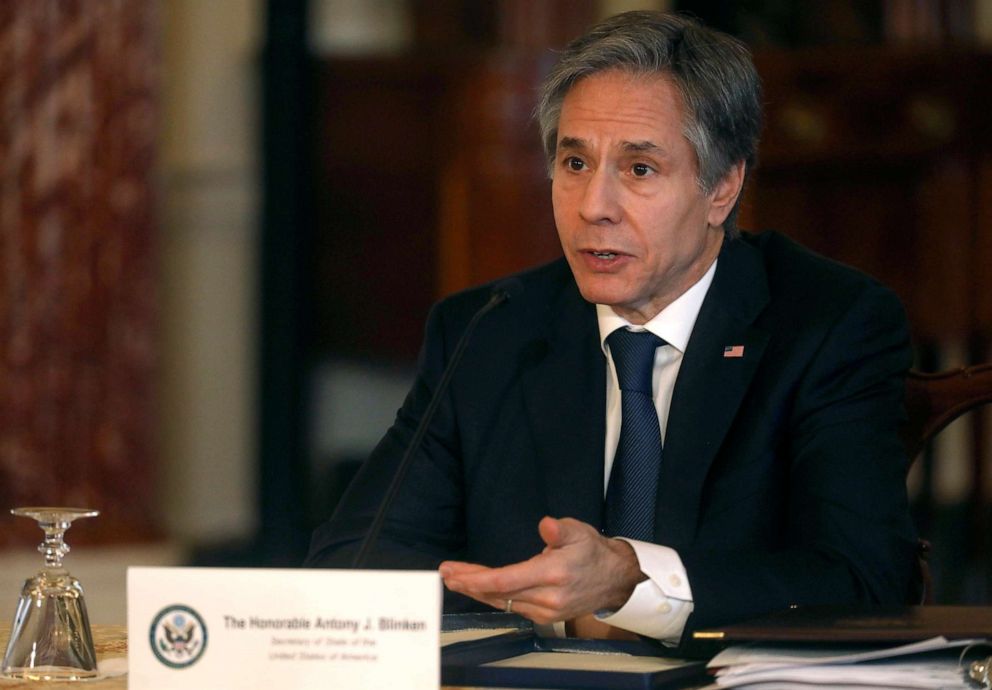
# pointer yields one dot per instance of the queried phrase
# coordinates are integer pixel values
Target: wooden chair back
(932, 402)
(935, 400)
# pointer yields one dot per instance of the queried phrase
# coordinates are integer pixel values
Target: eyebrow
(573, 143)
(643, 146)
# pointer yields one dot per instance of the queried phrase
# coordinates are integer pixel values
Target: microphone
(502, 292)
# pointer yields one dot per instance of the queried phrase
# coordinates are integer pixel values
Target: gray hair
(713, 72)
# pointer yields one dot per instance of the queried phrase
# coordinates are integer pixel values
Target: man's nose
(600, 198)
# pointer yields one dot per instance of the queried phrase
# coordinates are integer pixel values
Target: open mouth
(604, 255)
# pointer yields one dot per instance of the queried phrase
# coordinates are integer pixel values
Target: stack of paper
(933, 663)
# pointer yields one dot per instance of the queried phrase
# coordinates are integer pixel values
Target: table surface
(110, 641)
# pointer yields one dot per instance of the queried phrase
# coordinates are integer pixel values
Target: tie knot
(633, 356)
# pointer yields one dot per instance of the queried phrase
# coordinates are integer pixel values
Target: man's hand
(578, 572)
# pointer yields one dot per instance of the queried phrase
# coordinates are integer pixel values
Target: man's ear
(724, 195)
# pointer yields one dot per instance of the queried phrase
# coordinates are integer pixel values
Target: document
(932, 663)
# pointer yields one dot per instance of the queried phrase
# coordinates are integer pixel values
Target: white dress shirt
(661, 604)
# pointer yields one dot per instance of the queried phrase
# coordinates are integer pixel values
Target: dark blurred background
(224, 223)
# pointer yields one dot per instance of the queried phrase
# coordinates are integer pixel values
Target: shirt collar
(673, 324)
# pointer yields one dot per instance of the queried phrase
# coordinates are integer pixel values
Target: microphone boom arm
(499, 295)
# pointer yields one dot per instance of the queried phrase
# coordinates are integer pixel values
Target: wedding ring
(509, 606)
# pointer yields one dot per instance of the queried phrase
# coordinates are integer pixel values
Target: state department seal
(178, 636)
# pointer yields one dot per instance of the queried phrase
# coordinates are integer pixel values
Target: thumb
(558, 533)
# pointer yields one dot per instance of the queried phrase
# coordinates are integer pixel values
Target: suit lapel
(710, 387)
(565, 400)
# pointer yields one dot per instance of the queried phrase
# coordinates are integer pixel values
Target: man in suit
(711, 418)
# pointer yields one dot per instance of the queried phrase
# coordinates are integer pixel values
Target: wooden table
(110, 641)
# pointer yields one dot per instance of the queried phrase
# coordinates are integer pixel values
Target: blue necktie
(630, 495)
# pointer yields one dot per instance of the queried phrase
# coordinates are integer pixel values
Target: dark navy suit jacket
(782, 479)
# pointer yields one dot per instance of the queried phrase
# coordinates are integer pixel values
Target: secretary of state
(675, 426)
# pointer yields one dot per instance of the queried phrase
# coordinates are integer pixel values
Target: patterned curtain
(79, 108)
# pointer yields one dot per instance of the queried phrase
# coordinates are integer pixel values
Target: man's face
(635, 227)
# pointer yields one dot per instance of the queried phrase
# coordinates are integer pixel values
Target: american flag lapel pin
(733, 351)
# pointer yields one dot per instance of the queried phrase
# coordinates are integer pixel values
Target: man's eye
(573, 163)
(641, 169)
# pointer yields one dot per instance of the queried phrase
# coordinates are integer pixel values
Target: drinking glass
(51, 637)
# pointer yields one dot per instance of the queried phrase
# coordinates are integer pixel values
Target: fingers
(521, 604)
(568, 554)
(499, 582)
(456, 568)
(541, 615)
(570, 577)
(539, 605)
(523, 583)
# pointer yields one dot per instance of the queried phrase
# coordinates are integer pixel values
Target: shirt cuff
(660, 605)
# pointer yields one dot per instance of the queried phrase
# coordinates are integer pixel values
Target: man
(711, 418)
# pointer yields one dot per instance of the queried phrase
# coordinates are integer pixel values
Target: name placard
(280, 628)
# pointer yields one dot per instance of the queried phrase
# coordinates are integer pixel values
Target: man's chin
(596, 292)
